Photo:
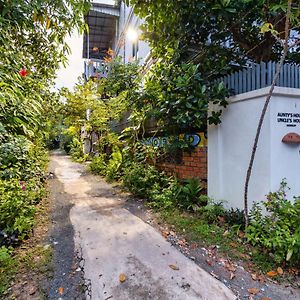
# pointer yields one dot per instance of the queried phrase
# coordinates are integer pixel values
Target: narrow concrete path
(113, 241)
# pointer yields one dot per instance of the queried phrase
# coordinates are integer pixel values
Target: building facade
(113, 32)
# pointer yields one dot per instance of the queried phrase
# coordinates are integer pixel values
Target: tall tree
(217, 32)
(32, 45)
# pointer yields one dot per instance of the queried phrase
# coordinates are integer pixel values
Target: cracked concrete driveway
(113, 241)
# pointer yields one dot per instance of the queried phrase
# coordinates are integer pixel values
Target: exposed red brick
(193, 164)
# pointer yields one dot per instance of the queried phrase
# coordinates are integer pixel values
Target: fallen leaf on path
(241, 234)
(244, 256)
(209, 262)
(254, 276)
(174, 267)
(230, 267)
(261, 279)
(194, 245)
(32, 290)
(122, 277)
(265, 298)
(232, 275)
(293, 271)
(61, 290)
(181, 242)
(272, 273)
(226, 232)
(234, 245)
(253, 291)
(165, 234)
(279, 271)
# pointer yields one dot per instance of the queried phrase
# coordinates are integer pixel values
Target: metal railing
(95, 68)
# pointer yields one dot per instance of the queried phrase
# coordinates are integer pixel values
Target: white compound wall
(230, 145)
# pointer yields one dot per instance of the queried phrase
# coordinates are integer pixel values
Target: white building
(112, 27)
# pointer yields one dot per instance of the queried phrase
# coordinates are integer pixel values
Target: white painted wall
(230, 145)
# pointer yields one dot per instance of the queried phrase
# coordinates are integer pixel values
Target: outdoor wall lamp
(291, 137)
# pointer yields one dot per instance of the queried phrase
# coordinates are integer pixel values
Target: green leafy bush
(211, 211)
(98, 164)
(188, 195)
(17, 205)
(20, 158)
(235, 217)
(113, 169)
(22, 173)
(5, 256)
(163, 198)
(71, 141)
(278, 230)
(141, 178)
(7, 266)
(76, 149)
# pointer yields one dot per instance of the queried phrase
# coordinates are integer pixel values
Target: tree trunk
(264, 110)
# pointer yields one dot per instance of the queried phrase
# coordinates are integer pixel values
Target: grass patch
(230, 244)
(37, 258)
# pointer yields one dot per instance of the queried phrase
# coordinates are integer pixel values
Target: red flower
(23, 187)
(23, 72)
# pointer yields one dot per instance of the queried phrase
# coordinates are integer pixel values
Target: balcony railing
(95, 69)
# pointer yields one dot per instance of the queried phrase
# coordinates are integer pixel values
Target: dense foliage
(216, 33)
(198, 44)
(279, 230)
(32, 47)
(178, 96)
(95, 105)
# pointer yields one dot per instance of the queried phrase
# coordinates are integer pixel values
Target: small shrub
(7, 268)
(163, 198)
(189, 195)
(114, 164)
(211, 211)
(20, 158)
(5, 255)
(17, 206)
(71, 141)
(141, 178)
(98, 164)
(76, 148)
(279, 230)
(235, 217)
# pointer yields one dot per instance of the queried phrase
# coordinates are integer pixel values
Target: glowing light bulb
(132, 34)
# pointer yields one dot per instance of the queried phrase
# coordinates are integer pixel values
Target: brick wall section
(193, 164)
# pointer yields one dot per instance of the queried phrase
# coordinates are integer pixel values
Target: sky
(68, 77)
